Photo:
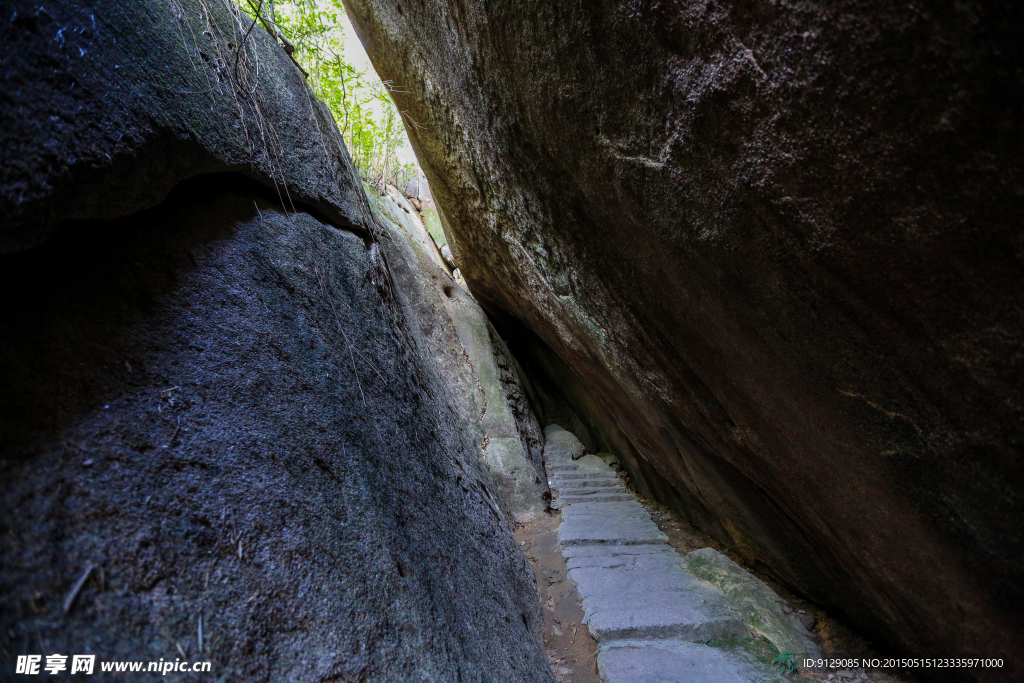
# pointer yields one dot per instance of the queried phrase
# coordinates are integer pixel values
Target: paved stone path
(650, 616)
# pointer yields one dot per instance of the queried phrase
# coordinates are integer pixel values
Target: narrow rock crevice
(690, 352)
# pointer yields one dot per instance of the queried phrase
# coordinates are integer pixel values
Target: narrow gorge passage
(360, 341)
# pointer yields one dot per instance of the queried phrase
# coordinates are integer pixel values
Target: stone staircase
(651, 617)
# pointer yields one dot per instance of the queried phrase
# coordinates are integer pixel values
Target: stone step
(596, 498)
(613, 529)
(585, 550)
(622, 536)
(679, 662)
(581, 493)
(592, 483)
(625, 511)
(647, 594)
(649, 613)
(583, 470)
(583, 483)
(589, 484)
(575, 476)
(611, 484)
(589, 490)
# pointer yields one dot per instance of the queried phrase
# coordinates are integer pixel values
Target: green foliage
(361, 104)
(786, 662)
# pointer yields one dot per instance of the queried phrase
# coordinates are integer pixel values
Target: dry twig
(69, 601)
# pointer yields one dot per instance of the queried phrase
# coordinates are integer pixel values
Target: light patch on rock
(764, 611)
(406, 215)
(562, 445)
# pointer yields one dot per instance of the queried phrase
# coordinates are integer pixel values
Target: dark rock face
(779, 245)
(530, 433)
(105, 95)
(218, 403)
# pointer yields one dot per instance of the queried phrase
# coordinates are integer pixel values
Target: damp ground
(571, 649)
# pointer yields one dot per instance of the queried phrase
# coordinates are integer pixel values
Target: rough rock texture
(550, 382)
(471, 356)
(675, 662)
(561, 445)
(764, 611)
(530, 434)
(418, 188)
(520, 485)
(401, 211)
(779, 244)
(220, 403)
(109, 95)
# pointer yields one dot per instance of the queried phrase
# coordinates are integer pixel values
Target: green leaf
(361, 104)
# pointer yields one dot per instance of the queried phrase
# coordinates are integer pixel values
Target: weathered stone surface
(519, 483)
(432, 222)
(530, 434)
(504, 426)
(678, 662)
(585, 487)
(561, 445)
(224, 403)
(412, 189)
(417, 188)
(629, 579)
(762, 609)
(618, 523)
(643, 605)
(778, 245)
(105, 95)
(213, 403)
(648, 595)
(400, 210)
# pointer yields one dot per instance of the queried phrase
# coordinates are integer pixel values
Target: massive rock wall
(492, 392)
(487, 394)
(214, 406)
(779, 246)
